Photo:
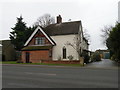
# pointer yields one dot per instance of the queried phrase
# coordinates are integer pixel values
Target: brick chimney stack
(59, 19)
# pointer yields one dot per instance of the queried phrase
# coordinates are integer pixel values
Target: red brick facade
(38, 34)
(35, 56)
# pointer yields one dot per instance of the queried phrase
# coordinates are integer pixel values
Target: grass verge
(14, 62)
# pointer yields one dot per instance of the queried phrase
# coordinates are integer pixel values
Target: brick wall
(38, 34)
(36, 56)
(61, 62)
(42, 56)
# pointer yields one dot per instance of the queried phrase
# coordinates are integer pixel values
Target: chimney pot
(59, 19)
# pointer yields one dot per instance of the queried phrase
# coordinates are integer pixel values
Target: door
(27, 57)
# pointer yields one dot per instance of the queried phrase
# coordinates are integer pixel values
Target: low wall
(61, 62)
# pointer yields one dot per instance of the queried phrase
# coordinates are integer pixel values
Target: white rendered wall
(61, 41)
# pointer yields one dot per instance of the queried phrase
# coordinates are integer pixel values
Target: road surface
(104, 63)
(31, 76)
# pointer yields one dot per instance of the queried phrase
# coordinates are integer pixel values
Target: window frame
(40, 41)
(64, 53)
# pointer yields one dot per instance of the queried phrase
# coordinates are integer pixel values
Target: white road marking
(22, 85)
(51, 74)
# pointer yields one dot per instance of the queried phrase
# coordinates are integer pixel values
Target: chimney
(59, 19)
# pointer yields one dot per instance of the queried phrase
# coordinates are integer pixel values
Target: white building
(60, 41)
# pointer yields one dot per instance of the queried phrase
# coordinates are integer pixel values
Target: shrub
(19, 61)
(96, 57)
(59, 58)
(86, 58)
(70, 57)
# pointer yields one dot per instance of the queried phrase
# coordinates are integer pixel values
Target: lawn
(14, 62)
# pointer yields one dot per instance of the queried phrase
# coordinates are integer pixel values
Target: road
(104, 63)
(31, 76)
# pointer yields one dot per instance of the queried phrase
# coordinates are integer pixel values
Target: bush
(59, 58)
(86, 58)
(19, 61)
(113, 57)
(96, 57)
(70, 57)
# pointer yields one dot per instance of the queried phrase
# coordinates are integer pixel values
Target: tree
(45, 20)
(113, 41)
(28, 32)
(86, 35)
(75, 45)
(17, 36)
(20, 33)
(105, 33)
(96, 56)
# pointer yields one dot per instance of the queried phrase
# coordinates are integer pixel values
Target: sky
(94, 14)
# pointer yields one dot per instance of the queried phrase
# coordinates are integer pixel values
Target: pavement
(32, 76)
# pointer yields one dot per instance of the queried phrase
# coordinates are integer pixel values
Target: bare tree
(45, 20)
(105, 33)
(86, 35)
(78, 42)
(75, 45)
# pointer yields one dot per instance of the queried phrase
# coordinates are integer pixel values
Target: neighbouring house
(85, 46)
(7, 51)
(51, 43)
(105, 54)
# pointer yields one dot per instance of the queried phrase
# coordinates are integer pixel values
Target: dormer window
(40, 40)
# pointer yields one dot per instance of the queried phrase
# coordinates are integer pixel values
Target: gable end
(33, 34)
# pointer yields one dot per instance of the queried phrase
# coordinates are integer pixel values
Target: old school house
(50, 43)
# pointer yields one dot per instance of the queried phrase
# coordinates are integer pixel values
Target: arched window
(64, 52)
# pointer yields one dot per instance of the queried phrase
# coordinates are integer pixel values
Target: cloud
(94, 14)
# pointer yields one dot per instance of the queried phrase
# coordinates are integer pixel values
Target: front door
(27, 57)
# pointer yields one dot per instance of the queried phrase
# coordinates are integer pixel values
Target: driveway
(104, 63)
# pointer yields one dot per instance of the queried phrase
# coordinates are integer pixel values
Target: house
(51, 42)
(85, 45)
(7, 51)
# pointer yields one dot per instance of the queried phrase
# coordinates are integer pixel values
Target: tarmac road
(104, 63)
(36, 76)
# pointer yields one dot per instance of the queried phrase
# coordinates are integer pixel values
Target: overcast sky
(94, 14)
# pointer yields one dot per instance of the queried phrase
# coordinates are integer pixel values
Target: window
(40, 40)
(64, 53)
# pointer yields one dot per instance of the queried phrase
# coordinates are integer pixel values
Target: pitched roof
(37, 29)
(63, 28)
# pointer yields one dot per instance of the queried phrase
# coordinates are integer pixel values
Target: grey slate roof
(63, 28)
